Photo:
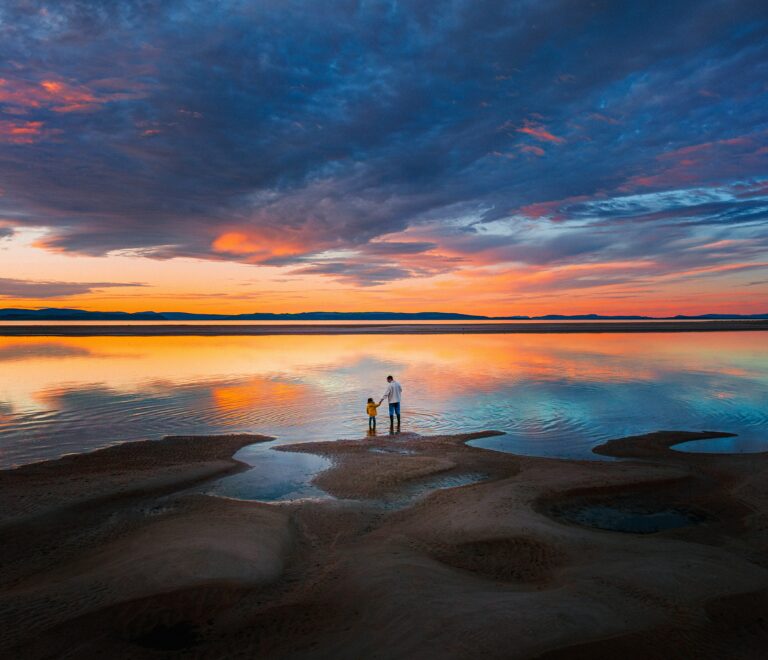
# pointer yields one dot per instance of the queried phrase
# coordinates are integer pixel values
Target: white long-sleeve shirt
(394, 391)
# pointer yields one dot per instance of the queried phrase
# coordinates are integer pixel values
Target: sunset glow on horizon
(496, 158)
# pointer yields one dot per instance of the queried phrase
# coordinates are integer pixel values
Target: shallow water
(628, 519)
(421, 488)
(553, 395)
(276, 476)
(737, 445)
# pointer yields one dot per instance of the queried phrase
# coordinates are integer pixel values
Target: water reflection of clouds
(6, 412)
(552, 394)
(24, 351)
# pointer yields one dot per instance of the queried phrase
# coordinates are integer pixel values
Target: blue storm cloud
(159, 127)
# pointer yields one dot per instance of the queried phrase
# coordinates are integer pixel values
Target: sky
(492, 157)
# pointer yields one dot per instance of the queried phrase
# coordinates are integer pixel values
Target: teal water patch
(275, 476)
(736, 445)
(631, 518)
(511, 443)
(411, 493)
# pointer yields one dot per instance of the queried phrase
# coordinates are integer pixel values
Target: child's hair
(370, 400)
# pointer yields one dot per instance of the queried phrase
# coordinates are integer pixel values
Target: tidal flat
(119, 553)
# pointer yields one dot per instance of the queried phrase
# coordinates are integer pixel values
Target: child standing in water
(370, 408)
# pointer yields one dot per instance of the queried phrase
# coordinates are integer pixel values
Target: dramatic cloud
(379, 141)
(11, 288)
(370, 269)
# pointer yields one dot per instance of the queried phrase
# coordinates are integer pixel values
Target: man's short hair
(390, 378)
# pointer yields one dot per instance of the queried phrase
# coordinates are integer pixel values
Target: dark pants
(394, 409)
(372, 422)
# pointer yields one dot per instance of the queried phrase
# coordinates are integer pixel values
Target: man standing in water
(394, 390)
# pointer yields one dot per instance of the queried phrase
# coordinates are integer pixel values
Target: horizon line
(41, 311)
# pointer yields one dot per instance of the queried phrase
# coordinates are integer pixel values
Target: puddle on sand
(734, 445)
(275, 476)
(280, 476)
(392, 450)
(627, 517)
(413, 492)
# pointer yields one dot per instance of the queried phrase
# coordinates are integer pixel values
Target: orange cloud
(257, 246)
(552, 209)
(539, 132)
(19, 96)
(693, 164)
(22, 132)
(676, 154)
(719, 245)
(714, 270)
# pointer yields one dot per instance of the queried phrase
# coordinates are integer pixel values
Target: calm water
(555, 395)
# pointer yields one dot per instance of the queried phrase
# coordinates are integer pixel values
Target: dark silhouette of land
(383, 328)
(57, 314)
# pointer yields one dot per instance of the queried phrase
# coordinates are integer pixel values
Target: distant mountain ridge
(57, 314)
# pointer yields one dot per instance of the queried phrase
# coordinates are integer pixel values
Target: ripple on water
(742, 412)
(552, 395)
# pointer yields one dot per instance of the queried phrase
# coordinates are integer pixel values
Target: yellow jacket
(370, 408)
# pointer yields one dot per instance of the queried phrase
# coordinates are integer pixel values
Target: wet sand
(106, 555)
(384, 328)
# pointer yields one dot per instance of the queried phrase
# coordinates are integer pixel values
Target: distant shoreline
(22, 329)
